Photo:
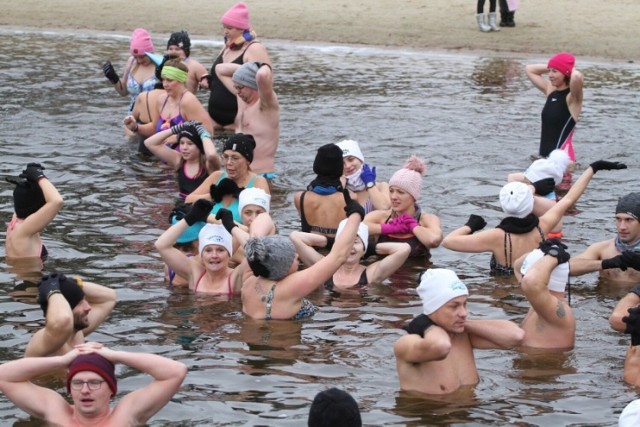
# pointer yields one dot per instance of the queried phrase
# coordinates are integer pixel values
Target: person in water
(436, 356)
(179, 45)
(91, 384)
(406, 221)
(36, 202)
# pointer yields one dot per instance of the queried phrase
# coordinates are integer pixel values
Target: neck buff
(174, 73)
(621, 246)
(324, 185)
(355, 182)
(515, 225)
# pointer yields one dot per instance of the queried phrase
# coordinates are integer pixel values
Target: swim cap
(69, 288)
(242, 143)
(409, 178)
(328, 161)
(95, 363)
(245, 75)
(437, 287)
(140, 42)
(563, 62)
(516, 199)
(270, 257)
(237, 16)
(182, 40)
(350, 147)
(559, 275)
(254, 196)
(215, 234)
(630, 205)
(630, 416)
(363, 232)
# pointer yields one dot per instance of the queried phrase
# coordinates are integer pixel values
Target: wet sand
(589, 28)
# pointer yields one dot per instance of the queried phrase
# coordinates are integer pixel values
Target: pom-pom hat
(409, 178)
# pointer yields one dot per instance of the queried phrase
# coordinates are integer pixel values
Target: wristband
(53, 291)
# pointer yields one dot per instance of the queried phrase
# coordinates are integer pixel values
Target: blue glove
(368, 175)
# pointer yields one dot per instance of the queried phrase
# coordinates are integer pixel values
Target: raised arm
(575, 91)
(413, 348)
(37, 221)
(429, 231)
(494, 333)
(102, 300)
(142, 404)
(535, 73)
(302, 283)
(155, 144)
(305, 243)
(15, 383)
(225, 71)
(396, 255)
(58, 328)
(463, 239)
(551, 218)
(264, 80)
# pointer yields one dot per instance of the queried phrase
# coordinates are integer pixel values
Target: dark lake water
(473, 117)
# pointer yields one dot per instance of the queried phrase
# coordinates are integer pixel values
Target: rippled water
(474, 118)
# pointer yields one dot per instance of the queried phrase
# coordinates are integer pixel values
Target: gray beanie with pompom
(270, 257)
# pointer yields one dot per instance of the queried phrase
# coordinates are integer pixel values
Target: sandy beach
(587, 28)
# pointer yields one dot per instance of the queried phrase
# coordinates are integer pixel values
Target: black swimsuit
(307, 228)
(362, 282)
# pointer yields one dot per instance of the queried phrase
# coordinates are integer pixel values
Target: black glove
(199, 211)
(633, 324)
(475, 223)
(544, 186)
(179, 211)
(49, 285)
(226, 217)
(110, 72)
(418, 325)
(632, 259)
(605, 165)
(556, 249)
(615, 262)
(352, 206)
(635, 290)
(33, 172)
(224, 187)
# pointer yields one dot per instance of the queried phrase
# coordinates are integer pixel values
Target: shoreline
(592, 29)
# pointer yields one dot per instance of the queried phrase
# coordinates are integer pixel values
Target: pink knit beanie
(409, 178)
(237, 17)
(563, 62)
(141, 42)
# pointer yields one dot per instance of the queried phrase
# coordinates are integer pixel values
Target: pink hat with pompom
(237, 17)
(409, 178)
(140, 42)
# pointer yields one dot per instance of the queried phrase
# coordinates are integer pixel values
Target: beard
(79, 323)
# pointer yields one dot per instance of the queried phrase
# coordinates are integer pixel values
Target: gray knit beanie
(630, 205)
(270, 257)
(246, 75)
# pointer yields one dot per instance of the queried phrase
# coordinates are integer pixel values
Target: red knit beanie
(95, 363)
(562, 62)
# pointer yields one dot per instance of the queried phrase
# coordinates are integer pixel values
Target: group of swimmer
(222, 238)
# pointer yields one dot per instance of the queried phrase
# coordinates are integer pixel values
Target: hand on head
(633, 324)
(418, 325)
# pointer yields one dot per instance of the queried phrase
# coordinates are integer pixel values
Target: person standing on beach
(491, 24)
(506, 15)
(240, 47)
(436, 356)
(561, 112)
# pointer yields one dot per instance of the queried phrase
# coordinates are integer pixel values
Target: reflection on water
(474, 119)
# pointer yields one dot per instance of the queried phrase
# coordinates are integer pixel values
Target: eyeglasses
(92, 384)
(233, 159)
